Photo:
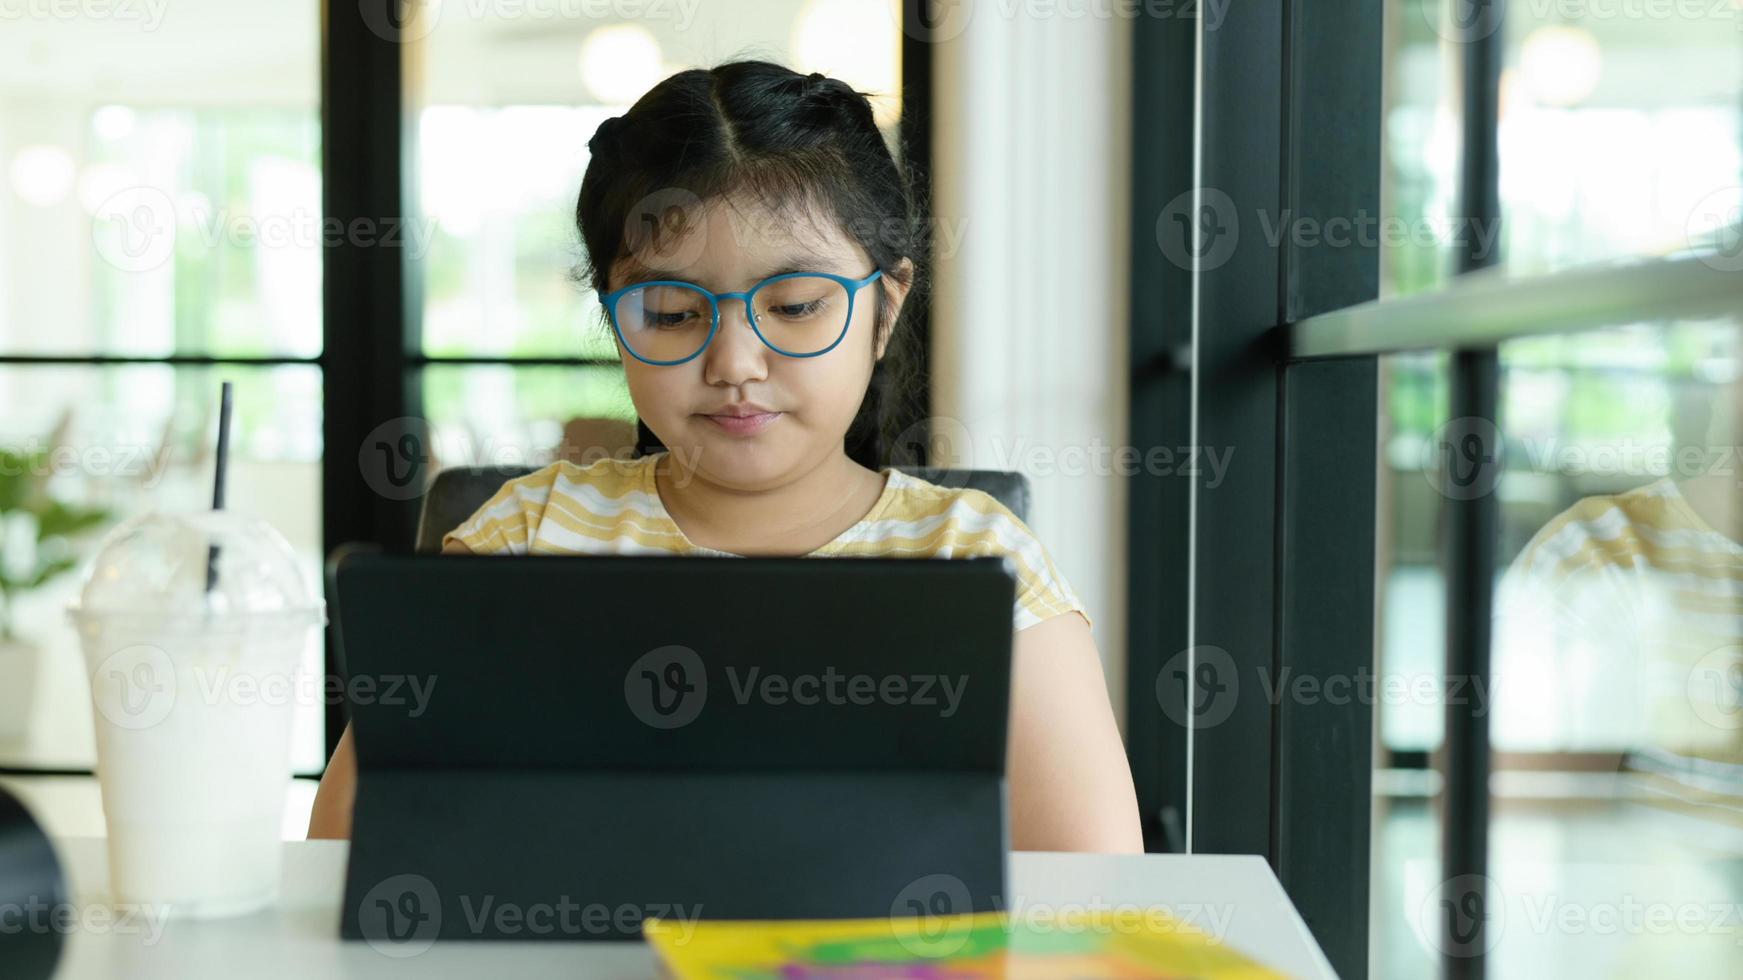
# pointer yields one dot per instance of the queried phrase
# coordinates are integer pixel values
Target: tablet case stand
(450, 847)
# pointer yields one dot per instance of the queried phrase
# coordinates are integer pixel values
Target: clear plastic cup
(193, 690)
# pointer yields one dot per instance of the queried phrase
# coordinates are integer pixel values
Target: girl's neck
(795, 518)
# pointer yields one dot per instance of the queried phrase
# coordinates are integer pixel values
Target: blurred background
(1616, 133)
(216, 107)
(1618, 138)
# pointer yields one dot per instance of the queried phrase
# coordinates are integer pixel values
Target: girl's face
(729, 245)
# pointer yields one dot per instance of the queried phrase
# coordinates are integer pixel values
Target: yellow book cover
(1086, 946)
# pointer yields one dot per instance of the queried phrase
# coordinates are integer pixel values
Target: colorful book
(1083, 945)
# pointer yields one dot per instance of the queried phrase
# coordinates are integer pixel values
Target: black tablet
(559, 747)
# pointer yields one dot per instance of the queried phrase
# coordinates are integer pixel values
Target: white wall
(1031, 150)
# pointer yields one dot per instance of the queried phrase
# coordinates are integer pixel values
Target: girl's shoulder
(919, 518)
(605, 506)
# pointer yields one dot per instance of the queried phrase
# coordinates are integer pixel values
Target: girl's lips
(744, 425)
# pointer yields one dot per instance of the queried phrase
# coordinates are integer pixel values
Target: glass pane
(1616, 702)
(1620, 134)
(160, 186)
(519, 89)
(495, 415)
(129, 440)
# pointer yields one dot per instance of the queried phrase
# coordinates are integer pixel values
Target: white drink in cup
(194, 628)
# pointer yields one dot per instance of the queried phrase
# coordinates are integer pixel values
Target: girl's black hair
(759, 129)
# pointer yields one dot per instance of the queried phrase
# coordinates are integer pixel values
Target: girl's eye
(798, 311)
(665, 321)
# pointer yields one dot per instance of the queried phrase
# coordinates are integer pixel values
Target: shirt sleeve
(1042, 590)
(508, 523)
(1573, 633)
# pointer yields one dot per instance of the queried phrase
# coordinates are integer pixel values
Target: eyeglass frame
(853, 286)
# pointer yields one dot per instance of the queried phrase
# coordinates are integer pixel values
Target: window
(160, 232)
(1479, 452)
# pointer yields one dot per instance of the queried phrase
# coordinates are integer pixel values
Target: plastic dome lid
(155, 566)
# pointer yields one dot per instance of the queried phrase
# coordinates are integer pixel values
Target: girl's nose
(736, 354)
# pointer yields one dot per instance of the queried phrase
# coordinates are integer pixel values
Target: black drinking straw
(218, 479)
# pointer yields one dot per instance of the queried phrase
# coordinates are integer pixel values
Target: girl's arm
(1070, 784)
(331, 816)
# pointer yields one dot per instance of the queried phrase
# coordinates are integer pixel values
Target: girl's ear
(896, 284)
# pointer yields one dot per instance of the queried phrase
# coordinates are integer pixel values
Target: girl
(753, 245)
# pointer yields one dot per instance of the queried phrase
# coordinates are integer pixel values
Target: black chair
(30, 877)
(456, 493)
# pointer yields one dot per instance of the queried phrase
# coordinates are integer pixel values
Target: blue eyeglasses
(798, 314)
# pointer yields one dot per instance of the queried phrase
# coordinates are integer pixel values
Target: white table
(1235, 897)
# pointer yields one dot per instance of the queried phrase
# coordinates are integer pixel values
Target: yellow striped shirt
(1618, 627)
(612, 507)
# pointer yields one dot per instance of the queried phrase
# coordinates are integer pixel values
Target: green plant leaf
(56, 519)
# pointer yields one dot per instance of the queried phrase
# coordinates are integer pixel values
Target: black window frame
(1273, 352)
